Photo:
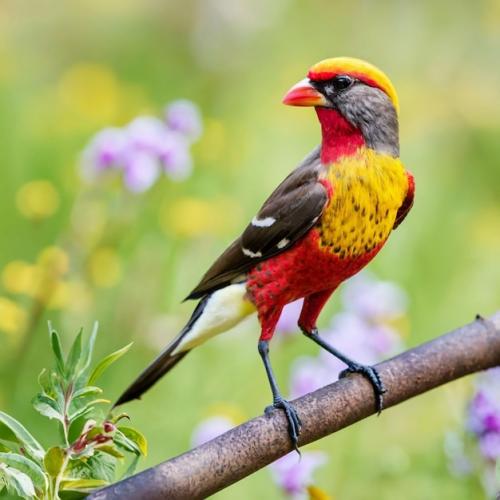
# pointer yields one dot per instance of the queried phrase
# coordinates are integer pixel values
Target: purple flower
(289, 317)
(489, 444)
(175, 156)
(309, 374)
(104, 151)
(209, 429)
(483, 418)
(294, 474)
(146, 147)
(184, 117)
(141, 171)
(146, 133)
(373, 299)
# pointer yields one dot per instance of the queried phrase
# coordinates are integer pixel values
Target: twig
(258, 442)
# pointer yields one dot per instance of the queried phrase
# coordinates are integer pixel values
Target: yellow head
(340, 71)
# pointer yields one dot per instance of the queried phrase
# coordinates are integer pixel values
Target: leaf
(12, 430)
(131, 468)
(54, 461)
(45, 382)
(111, 450)
(86, 408)
(137, 437)
(99, 466)
(57, 349)
(88, 349)
(119, 417)
(26, 466)
(124, 442)
(86, 485)
(4, 449)
(72, 495)
(48, 407)
(74, 356)
(89, 390)
(106, 362)
(18, 483)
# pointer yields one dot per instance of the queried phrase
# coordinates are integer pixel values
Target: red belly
(304, 269)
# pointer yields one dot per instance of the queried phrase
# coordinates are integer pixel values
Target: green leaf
(45, 382)
(131, 468)
(74, 356)
(4, 449)
(57, 349)
(54, 461)
(137, 437)
(17, 482)
(106, 362)
(125, 443)
(72, 495)
(47, 406)
(27, 466)
(88, 349)
(12, 430)
(86, 485)
(89, 390)
(111, 450)
(86, 408)
(99, 466)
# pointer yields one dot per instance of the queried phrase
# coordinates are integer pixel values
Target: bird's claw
(294, 423)
(373, 377)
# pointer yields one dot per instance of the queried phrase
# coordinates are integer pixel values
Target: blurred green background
(67, 69)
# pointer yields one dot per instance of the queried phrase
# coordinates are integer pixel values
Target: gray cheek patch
(371, 110)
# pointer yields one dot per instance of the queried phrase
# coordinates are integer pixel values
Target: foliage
(92, 444)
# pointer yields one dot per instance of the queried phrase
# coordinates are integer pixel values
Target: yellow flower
(12, 317)
(72, 295)
(54, 261)
(105, 267)
(21, 277)
(37, 200)
(316, 493)
(190, 217)
(90, 91)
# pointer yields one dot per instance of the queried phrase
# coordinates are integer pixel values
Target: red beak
(304, 94)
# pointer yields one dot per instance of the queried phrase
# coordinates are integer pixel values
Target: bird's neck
(339, 137)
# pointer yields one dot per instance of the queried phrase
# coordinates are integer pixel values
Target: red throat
(340, 138)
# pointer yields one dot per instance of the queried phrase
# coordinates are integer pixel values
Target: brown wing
(290, 211)
(407, 203)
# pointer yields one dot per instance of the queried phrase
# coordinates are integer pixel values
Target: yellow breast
(368, 190)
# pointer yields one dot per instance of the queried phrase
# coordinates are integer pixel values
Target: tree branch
(258, 442)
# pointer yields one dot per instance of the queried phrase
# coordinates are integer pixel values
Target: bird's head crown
(357, 69)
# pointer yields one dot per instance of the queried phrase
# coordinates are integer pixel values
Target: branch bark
(258, 442)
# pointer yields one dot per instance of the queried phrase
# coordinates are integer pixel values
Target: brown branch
(258, 442)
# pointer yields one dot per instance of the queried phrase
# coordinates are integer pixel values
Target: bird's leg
(294, 423)
(353, 367)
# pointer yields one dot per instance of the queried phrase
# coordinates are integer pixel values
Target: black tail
(163, 363)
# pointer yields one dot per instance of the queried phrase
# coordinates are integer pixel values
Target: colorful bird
(322, 224)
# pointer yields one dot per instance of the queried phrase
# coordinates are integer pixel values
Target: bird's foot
(294, 423)
(373, 376)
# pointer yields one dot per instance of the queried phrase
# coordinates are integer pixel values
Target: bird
(325, 222)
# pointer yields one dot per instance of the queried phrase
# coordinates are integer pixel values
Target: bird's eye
(342, 82)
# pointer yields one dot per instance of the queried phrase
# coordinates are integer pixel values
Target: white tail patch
(224, 309)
